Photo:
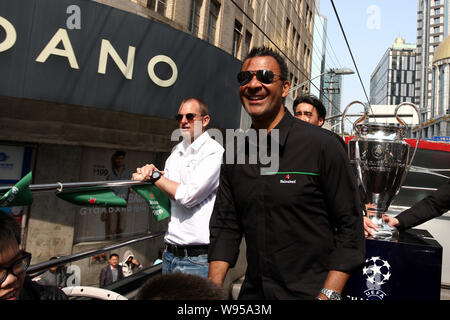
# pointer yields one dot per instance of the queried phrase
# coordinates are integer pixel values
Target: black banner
(84, 53)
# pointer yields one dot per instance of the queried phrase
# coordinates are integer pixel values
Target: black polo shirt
(299, 222)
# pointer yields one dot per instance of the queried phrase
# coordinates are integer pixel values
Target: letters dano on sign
(106, 50)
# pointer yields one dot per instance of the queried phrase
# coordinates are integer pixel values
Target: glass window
(441, 89)
(237, 35)
(247, 42)
(214, 10)
(158, 6)
(194, 17)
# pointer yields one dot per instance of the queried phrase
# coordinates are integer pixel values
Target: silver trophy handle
(357, 121)
(404, 124)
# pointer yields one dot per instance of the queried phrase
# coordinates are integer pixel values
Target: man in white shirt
(190, 179)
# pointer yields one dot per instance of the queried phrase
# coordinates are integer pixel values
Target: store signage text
(60, 45)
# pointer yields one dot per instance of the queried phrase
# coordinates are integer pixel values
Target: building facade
(437, 124)
(236, 26)
(433, 21)
(393, 80)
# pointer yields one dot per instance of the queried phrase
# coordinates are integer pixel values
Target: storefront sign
(85, 53)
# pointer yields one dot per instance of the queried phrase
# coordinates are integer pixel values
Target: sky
(371, 27)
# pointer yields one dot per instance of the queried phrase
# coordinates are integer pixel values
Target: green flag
(92, 197)
(19, 195)
(158, 202)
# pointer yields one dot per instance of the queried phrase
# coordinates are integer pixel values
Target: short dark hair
(312, 100)
(180, 286)
(266, 51)
(113, 255)
(119, 153)
(9, 230)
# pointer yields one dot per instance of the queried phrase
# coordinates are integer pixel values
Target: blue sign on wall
(441, 138)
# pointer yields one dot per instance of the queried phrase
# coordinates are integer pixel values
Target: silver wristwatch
(331, 294)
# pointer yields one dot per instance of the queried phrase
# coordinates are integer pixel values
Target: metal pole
(77, 185)
(78, 256)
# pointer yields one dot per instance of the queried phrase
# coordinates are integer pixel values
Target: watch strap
(331, 294)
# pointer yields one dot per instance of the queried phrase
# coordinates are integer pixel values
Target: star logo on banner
(92, 200)
(152, 196)
(287, 177)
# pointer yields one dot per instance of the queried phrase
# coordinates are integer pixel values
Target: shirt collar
(283, 126)
(184, 146)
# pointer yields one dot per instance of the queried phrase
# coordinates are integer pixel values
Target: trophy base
(385, 232)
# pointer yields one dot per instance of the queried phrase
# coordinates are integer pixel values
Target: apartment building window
(437, 20)
(214, 10)
(288, 31)
(194, 17)
(294, 37)
(158, 6)
(237, 37)
(247, 42)
(441, 90)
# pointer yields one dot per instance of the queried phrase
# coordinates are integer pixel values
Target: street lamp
(332, 72)
(338, 71)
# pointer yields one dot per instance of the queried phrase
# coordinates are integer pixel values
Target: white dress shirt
(196, 167)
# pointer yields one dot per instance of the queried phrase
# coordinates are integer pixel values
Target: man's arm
(338, 184)
(167, 186)
(102, 278)
(335, 281)
(428, 208)
(224, 232)
(217, 271)
(189, 192)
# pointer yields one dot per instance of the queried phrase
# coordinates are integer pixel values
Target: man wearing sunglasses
(14, 284)
(303, 223)
(190, 179)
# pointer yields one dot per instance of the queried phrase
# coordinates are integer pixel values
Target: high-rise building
(438, 121)
(433, 21)
(331, 98)
(318, 56)
(393, 79)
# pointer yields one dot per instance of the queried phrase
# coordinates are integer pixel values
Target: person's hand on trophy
(370, 227)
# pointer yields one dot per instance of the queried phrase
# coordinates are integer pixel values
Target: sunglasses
(189, 116)
(18, 267)
(264, 76)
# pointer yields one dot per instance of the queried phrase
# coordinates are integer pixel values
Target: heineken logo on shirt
(288, 177)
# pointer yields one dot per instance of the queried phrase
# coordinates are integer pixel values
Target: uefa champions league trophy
(379, 157)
